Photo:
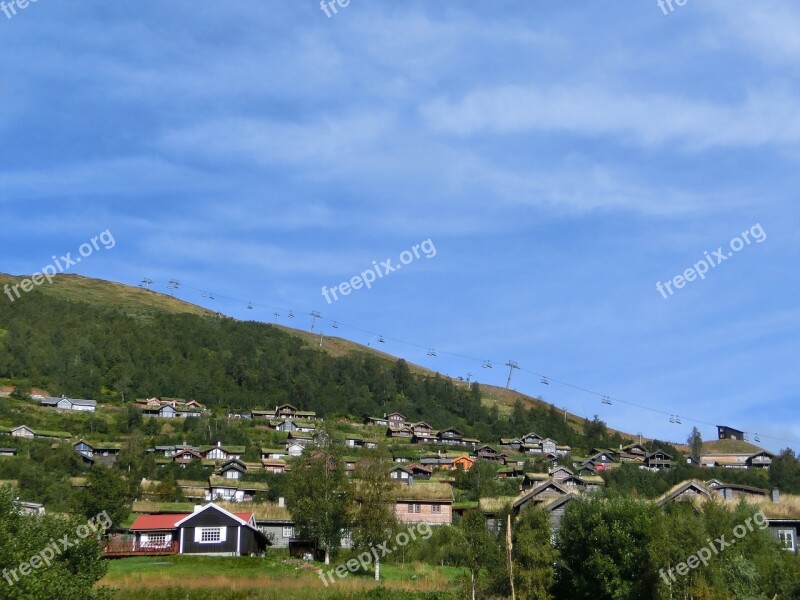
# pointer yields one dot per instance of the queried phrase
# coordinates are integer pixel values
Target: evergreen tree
(695, 441)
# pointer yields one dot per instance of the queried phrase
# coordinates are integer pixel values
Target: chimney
(197, 509)
(219, 444)
(281, 502)
(776, 496)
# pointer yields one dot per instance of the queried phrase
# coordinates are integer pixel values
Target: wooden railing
(118, 549)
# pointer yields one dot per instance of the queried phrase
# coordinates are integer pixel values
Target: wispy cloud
(646, 119)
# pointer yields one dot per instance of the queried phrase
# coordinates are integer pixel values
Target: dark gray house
(785, 531)
(729, 433)
(212, 530)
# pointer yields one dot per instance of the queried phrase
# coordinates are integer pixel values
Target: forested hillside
(110, 354)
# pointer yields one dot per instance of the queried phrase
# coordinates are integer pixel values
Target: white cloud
(647, 119)
(772, 30)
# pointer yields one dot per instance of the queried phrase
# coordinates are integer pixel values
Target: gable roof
(718, 485)
(652, 454)
(241, 518)
(538, 490)
(53, 401)
(680, 488)
(18, 427)
(486, 447)
(234, 464)
(561, 468)
(556, 503)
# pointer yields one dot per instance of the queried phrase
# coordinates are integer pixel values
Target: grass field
(209, 578)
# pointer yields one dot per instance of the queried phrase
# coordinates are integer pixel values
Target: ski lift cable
(486, 363)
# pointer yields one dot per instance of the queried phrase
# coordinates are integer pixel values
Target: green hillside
(730, 447)
(133, 342)
(131, 300)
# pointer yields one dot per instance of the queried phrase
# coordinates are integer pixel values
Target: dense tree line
(619, 549)
(102, 353)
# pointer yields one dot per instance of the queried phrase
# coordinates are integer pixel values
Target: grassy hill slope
(139, 302)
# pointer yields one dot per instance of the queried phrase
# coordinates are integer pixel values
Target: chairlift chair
(545, 381)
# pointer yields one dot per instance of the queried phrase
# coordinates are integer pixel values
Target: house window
(288, 532)
(437, 508)
(786, 538)
(210, 535)
(414, 508)
(157, 539)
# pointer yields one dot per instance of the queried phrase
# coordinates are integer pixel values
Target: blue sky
(562, 158)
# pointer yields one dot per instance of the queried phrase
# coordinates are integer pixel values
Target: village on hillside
(232, 510)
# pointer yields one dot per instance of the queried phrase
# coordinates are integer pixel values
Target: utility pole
(277, 314)
(509, 547)
(173, 285)
(314, 316)
(511, 366)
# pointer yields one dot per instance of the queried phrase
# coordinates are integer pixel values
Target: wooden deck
(126, 549)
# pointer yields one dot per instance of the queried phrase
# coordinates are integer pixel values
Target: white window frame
(288, 531)
(782, 538)
(217, 535)
(436, 508)
(157, 540)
